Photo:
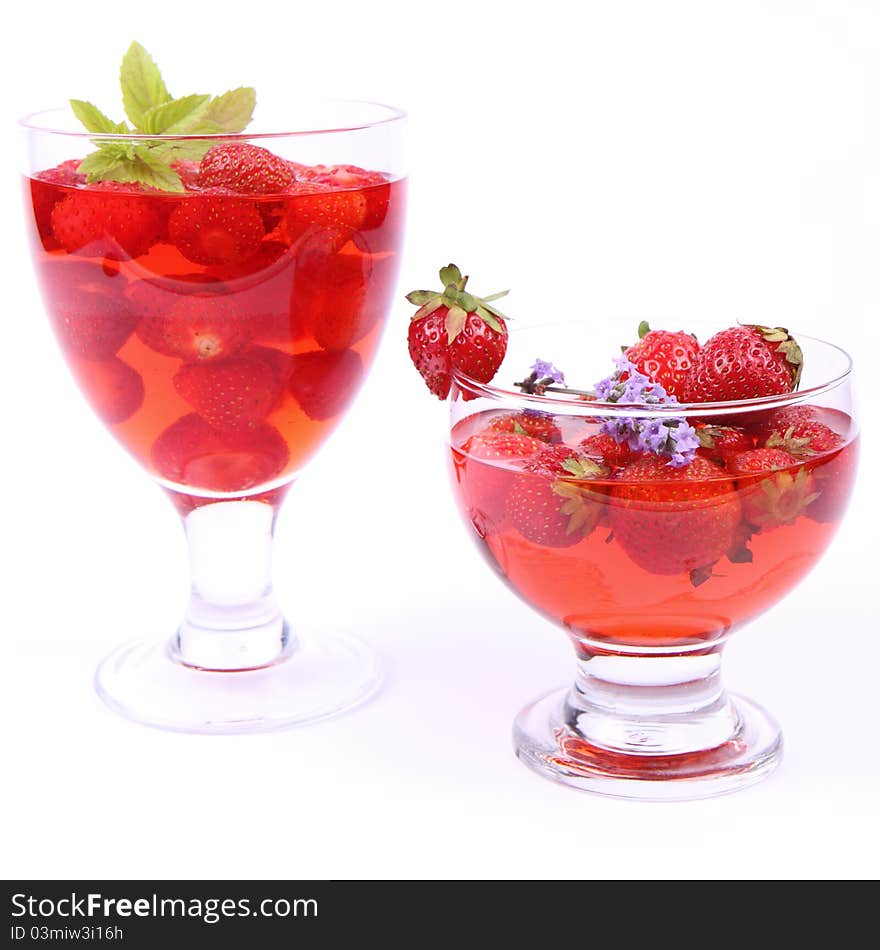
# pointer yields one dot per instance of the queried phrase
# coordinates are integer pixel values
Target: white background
(647, 159)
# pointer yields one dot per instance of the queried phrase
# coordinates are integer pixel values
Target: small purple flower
(672, 437)
(544, 370)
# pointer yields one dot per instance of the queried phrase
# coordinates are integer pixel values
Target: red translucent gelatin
(642, 555)
(220, 336)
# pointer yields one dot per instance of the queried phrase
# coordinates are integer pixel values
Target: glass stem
(232, 621)
(651, 705)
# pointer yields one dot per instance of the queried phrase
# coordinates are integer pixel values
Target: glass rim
(29, 123)
(560, 401)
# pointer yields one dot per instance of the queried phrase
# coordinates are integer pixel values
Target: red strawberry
(721, 442)
(765, 423)
(114, 389)
(554, 503)
(374, 185)
(744, 363)
(478, 349)
(246, 169)
(538, 425)
(214, 227)
(603, 448)
(805, 438)
(674, 520)
(190, 452)
(759, 461)
(190, 174)
(326, 207)
(342, 297)
(264, 291)
(45, 195)
(665, 357)
(330, 255)
(89, 311)
(293, 221)
(107, 219)
(429, 351)
(346, 317)
(281, 363)
(772, 495)
(235, 393)
(552, 460)
(833, 479)
(455, 329)
(64, 174)
(489, 483)
(256, 268)
(192, 319)
(324, 383)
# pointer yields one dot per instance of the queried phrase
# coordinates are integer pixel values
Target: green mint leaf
(176, 117)
(152, 112)
(128, 163)
(150, 169)
(101, 164)
(179, 151)
(232, 111)
(142, 85)
(93, 119)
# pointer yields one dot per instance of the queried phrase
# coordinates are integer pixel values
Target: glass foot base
(547, 745)
(322, 677)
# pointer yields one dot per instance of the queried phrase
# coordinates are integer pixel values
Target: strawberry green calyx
(800, 447)
(709, 436)
(152, 110)
(788, 346)
(585, 467)
(643, 330)
(458, 302)
(706, 438)
(699, 575)
(782, 499)
(579, 504)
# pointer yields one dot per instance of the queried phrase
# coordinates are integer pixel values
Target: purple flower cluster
(672, 437)
(544, 370)
(636, 389)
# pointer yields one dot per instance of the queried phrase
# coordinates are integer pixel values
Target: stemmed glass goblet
(221, 336)
(648, 569)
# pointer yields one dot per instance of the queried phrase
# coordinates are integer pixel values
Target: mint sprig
(152, 110)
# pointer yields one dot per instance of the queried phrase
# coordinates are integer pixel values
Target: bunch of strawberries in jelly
(218, 303)
(611, 511)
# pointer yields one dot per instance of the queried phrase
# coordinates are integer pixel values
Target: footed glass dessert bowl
(219, 295)
(649, 529)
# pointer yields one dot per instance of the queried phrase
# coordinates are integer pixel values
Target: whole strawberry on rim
(662, 355)
(455, 330)
(744, 362)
